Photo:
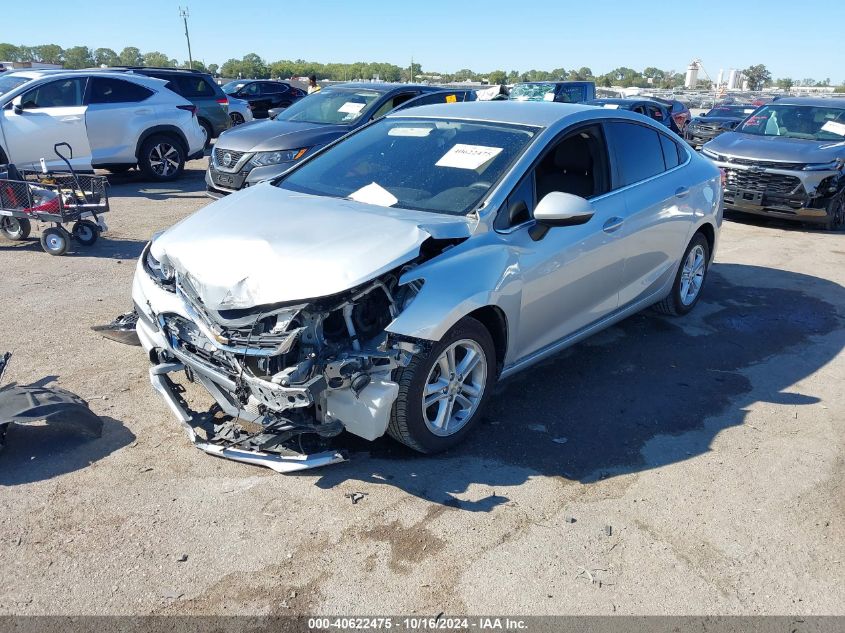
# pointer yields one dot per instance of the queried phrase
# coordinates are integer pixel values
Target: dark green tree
(106, 57)
(79, 57)
(758, 76)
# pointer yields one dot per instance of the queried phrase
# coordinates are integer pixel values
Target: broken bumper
(280, 463)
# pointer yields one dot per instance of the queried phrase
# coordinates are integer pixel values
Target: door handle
(144, 111)
(681, 192)
(612, 225)
(71, 119)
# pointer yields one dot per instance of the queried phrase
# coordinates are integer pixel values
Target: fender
(170, 130)
(478, 273)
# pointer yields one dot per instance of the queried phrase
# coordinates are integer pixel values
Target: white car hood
(266, 245)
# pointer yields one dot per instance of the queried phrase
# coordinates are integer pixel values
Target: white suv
(111, 120)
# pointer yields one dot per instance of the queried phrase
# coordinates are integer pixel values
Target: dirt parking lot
(689, 466)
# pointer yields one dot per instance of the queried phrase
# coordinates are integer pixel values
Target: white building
(691, 79)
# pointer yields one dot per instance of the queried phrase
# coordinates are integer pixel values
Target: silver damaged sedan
(386, 283)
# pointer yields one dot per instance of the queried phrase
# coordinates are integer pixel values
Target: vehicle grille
(235, 157)
(766, 164)
(763, 182)
(707, 128)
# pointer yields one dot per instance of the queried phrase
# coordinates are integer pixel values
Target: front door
(48, 114)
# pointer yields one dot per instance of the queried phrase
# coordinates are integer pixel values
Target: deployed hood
(266, 245)
(776, 148)
(269, 135)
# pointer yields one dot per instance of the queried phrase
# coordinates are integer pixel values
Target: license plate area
(753, 198)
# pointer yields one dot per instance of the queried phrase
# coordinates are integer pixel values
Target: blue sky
(450, 35)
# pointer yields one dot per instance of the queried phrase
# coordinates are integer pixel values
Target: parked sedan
(249, 154)
(718, 120)
(787, 160)
(656, 110)
(264, 95)
(386, 283)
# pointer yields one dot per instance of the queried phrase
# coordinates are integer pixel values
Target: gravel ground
(690, 466)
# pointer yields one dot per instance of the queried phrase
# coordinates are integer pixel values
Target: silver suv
(787, 160)
(111, 120)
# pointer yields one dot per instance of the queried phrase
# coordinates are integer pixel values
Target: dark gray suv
(787, 160)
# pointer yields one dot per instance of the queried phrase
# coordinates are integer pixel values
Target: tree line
(252, 66)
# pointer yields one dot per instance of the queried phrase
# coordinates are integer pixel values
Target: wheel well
(710, 235)
(162, 130)
(496, 323)
(3, 158)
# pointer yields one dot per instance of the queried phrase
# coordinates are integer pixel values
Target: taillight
(223, 101)
(190, 108)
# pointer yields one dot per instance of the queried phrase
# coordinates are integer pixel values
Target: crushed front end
(286, 377)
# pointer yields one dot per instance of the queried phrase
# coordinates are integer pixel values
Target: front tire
(162, 158)
(209, 132)
(86, 232)
(15, 229)
(686, 290)
(443, 392)
(836, 214)
(55, 240)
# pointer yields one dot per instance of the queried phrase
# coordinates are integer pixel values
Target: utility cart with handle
(55, 198)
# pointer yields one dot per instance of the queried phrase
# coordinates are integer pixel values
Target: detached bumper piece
(122, 329)
(240, 440)
(26, 404)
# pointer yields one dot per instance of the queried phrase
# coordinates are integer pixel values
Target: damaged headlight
(263, 159)
(162, 273)
(833, 165)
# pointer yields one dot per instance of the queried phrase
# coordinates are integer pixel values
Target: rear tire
(456, 388)
(689, 280)
(162, 158)
(55, 240)
(86, 232)
(120, 169)
(15, 229)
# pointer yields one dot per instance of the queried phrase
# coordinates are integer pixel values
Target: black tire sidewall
(209, 132)
(697, 240)
(95, 232)
(24, 228)
(467, 328)
(144, 159)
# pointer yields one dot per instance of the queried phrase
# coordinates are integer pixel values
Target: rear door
(650, 169)
(51, 112)
(118, 111)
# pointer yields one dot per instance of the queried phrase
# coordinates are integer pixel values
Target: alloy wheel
(454, 387)
(692, 275)
(164, 159)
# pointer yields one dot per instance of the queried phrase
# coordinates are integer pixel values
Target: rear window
(191, 87)
(672, 155)
(105, 90)
(638, 150)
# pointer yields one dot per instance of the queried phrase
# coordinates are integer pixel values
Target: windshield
(8, 84)
(232, 87)
(330, 106)
(736, 111)
(539, 91)
(443, 166)
(816, 123)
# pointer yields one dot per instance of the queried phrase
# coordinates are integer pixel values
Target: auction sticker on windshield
(468, 156)
(409, 131)
(611, 106)
(351, 107)
(549, 96)
(834, 128)
(374, 193)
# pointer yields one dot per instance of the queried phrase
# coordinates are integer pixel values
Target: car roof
(535, 114)
(620, 101)
(823, 102)
(380, 87)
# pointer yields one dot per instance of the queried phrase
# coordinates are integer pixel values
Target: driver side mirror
(559, 209)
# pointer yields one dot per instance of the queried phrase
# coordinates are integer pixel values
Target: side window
(388, 105)
(64, 93)
(638, 109)
(105, 90)
(251, 90)
(671, 152)
(656, 113)
(272, 89)
(638, 152)
(577, 164)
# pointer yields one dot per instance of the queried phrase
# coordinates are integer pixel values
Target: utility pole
(184, 14)
(412, 69)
